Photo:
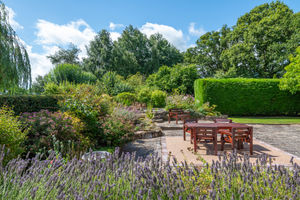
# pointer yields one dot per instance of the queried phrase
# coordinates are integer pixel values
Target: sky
(45, 25)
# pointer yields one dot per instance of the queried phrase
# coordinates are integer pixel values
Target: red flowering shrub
(53, 131)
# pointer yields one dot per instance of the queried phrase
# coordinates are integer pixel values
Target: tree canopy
(133, 52)
(257, 46)
(65, 56)
(291, 79)
(15, 66)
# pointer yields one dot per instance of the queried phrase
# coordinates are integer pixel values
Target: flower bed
(123, 177)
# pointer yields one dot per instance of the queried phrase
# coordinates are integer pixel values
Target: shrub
(178, 77)
(88, 105)
(12, 132)
(180, 101)
(158, 98)
(144, 95)
(71, 73)
(48, 130)
(125, 177)
(119, 127)
(114, 84)
(247, 96)
(29, 103)
(52, 89)
(126, 98)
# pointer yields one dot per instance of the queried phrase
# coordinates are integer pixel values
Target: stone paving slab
(184, 151)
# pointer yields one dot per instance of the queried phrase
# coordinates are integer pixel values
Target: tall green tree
(291, 79)
(99, 54)
(207, 52)
(65, 56)
(15, 70)
(262, 40)
(163, 53)
(132, 52)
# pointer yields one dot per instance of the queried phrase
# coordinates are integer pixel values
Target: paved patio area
(277, 141)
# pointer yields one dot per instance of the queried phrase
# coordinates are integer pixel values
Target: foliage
(12, 132)
(99, 54)
(207, 110)
(124, 177)
(14, 60)
(178, 77)
(180, 101)
(70, 73)
(257, 46)
(86, 103)
(291, 79)
(49, 129)
(136, 81)
(126, 98)
(158, 98)
(39, 84)
(133, 52)
(65, 56)
(113, 84)
(29, 103)
(247, 96)
(119, 127)
(207, 54)
(144, 95)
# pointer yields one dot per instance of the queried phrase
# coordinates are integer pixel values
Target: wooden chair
(225, 133)
(177, 114)
(186, 130)
(204, 135)
(239, 136)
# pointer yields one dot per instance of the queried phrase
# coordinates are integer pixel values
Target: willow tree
(15, 70)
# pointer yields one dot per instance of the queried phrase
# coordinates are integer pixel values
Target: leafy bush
(291, 79)
(247, 96)
(47, 129)
(52, 89)
(180, 101)
(158, 98)
(114, 84)
(207, 110)
(119, 126)
(12, 132)
(126, 98)
(88, 105)
(29, 103)
(71, 73)
(125, 177)
(178, 77)
(144, 95)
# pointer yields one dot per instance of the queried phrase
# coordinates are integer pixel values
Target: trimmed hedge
(29, 103)
(240, 96)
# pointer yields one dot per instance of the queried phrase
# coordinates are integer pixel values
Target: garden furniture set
(234, 133)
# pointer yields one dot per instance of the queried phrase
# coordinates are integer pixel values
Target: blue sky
(45, 25)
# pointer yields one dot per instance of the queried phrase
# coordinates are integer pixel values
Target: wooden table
(218, 126)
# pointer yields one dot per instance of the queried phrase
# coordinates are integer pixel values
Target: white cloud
(11, 15)
(113, 26)
(115, 35)
(174, 36)
(196, 32)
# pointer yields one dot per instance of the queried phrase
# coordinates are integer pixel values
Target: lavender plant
(124, 177)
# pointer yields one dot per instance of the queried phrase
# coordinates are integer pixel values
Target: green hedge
(241, 96)
(29, 103)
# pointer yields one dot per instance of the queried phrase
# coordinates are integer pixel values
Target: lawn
(267, 120)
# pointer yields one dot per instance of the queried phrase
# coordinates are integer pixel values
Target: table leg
(184, 132)
(215, 142)
(195, 139)
(233, 139)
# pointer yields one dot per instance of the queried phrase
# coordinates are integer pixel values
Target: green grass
(267, 120)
